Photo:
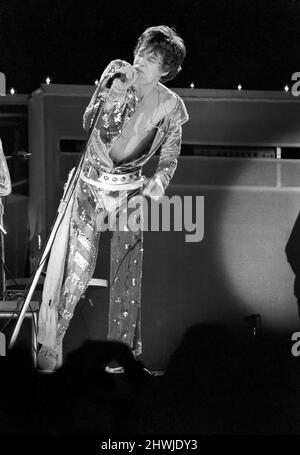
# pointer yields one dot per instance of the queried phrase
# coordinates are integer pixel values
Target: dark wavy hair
(165, 41)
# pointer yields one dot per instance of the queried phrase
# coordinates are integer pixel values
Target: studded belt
(115, 182)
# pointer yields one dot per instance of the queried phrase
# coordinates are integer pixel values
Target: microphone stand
(5, 191)
(47, 248)
(2, 231)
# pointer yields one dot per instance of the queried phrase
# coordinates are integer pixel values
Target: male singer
(130, 116)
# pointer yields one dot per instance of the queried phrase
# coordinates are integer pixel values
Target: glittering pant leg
(81, 256)
(125, 287)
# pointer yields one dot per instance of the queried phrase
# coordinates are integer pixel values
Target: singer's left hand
(154, 189)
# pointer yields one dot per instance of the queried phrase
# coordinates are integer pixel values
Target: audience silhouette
(216, 382)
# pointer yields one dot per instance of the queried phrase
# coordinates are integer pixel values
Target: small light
(239, 87)
(286, 88)
(192, 85)
(48, 80)
(12, 91)
(96, 82)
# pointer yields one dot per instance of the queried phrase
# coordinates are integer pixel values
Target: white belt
(114, 186)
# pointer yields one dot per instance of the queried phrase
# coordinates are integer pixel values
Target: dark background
(252, 42)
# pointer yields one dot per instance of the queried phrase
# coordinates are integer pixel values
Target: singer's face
(150, 66)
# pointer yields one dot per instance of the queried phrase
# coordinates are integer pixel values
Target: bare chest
(135, 133)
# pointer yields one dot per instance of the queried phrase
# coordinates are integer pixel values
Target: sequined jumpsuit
(89, 204)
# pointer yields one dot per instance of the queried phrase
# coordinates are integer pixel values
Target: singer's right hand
(130, 74)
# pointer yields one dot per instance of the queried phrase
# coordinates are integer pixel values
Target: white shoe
(49, 359)
(115, 370)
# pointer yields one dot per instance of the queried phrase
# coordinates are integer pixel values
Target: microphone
(21, 155)
(117, 75)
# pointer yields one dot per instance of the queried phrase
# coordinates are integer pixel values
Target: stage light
(96, 82)
(239, 87)
(12, 91)
(48, 80)
(192, 85)
(286, 88)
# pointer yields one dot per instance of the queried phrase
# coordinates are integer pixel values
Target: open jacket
(168, 135)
